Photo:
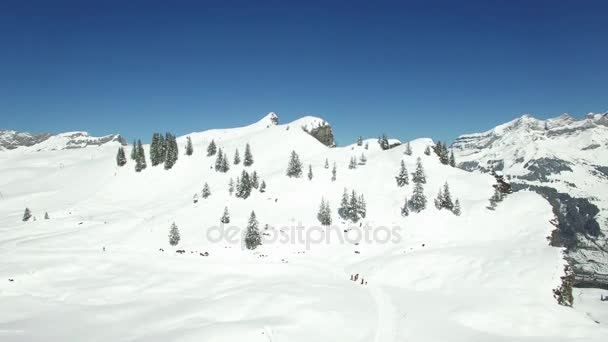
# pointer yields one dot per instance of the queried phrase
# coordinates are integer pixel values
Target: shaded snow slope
(486, 275)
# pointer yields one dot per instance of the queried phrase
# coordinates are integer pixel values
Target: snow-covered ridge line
(14, 140)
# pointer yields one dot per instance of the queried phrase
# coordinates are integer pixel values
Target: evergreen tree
(206, 191)
(121, 159)
(310, 172)
(255, 182)
(263, 187)
(360, 141)
(225, 165)
(402, 178)
(253, 238)
(140, 160)
(189, 148)
(439, 199)
(195, 198)
(171, 150)
(225, 217)
(452, 159)
(495, 199)
(353, 207)
(211, 149)
(383, 142)
(353, 163)
(231, 187)
(343, 211)
(324, 214)
(446, 200)
(427, 151)
(405, 211)
(174, 235)
(418, 176)
(154, 150)
(219, 160)
(238, 187)
(134, 151)
(333, 173)
(27, 214)
(362, 159)
(247, 158)
(326, 163)
(456, 209)
(367, 146)
(294, 168)
(418, 201)
(237, 157)
(362, 208)
(441, 150)
(46, 216)
(244, 185)
(408, 149)
(162, 149)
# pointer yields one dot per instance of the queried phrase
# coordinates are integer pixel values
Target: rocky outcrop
(323, 133)
(10, 140)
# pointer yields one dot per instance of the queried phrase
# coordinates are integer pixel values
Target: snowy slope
(486, 275)
(567, 155)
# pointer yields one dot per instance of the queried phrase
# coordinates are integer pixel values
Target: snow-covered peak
(11, 140)
(269, 119)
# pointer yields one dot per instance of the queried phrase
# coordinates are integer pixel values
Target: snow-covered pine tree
(219, 160)
(439, 199)
(189, 148)
(362, 159)
(174, 235)
(324, 214)
(248, 157)
(171, 151)
(418, 200)
(238, 189)
(211, 149)
(225, 217)
(27, 214)
(333, 173)
(452, 159)
(140, 161)
(408, 149)
(310, 175)
(231, 187)
(46, 216)
(456, 209)
(244, 190)
(446, 199)
(294, 167)
(121, 159)
(206, 191)
(405, 211)
(362, 208)
(343, 210)
(195, 198)
(154, 150)
(353, 207)
(427, 151)
(162, 148)
(495, 199)
(353, 163)
(419, 176)
(326, 163)
(134, 151)
(225, 166)
(237, 157)
(383, 142)
(402, 178)
(255, 182)
(360, 141)
(263, 187)
(253, 238)
(367, 146)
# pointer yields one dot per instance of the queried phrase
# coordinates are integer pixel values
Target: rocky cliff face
(11, 140)
(566, 161)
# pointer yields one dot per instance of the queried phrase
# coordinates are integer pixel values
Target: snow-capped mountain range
(10, 140)
(564, 159)
(103, 258)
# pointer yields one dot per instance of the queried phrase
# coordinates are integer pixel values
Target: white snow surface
(482, 276)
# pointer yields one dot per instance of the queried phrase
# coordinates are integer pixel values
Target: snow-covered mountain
(10, 140)
(103, 257)
(564, 159)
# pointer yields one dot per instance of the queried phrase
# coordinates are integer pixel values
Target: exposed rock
(324, 134)
(10, 140)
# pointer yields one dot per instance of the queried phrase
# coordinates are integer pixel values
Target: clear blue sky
(408, 68)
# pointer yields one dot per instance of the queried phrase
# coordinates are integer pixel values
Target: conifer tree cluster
(352, 207)
(164, 150)
(324, 214)
(171, 151)
(174, 235)
(121, 158)
(403, 177)
(408, 149)
(221, 162)
(211, 148)
(140, 157)
(444, 200)
(253, 238)
(427, 151)
(441, 149)
(294, 167)
(352, 164)
(496, 198)
(362, 159)
(189, 147)
(246, 182)
(383, 142)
